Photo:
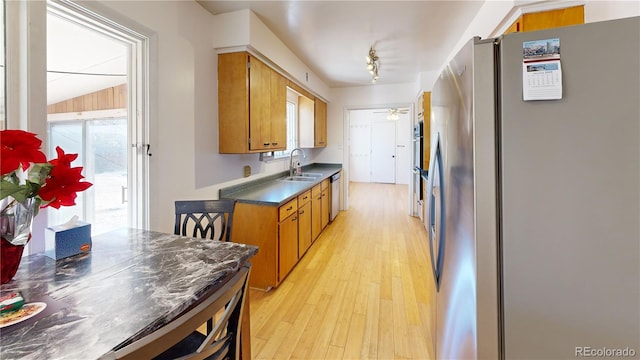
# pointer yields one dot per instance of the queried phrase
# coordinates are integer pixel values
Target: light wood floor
(360, 292)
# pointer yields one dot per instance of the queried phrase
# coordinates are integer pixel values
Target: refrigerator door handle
(437, 214)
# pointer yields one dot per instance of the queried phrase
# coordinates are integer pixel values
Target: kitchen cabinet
(252, 115)
(424, 115)
(312, 120)
(288, 238)
(320, 129)
(320, 209)
(548, 19)
(304, 223)
(316, 211)
(306, 122)
(282, 233)
(326, 209)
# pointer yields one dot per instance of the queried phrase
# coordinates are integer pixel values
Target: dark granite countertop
(130, 284)
(271, 190)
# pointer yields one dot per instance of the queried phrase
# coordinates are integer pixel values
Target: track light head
(373, 64)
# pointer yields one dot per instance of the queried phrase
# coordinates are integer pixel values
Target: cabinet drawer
(288, 209)
(304, 198)
(325, 184)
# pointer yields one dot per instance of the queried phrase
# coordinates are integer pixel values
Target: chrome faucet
(291, 167)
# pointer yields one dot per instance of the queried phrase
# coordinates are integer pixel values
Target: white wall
(243, 28)
(611, 9)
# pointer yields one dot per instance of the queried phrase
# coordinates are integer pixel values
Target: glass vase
(15, 229)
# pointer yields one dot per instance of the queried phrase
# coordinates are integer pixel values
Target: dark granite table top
(272, 190)
(131, 283)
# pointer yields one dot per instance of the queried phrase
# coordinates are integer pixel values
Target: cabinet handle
(289, 208)
(301, 212)
(294, 218)
(265, 144)
(274, 144)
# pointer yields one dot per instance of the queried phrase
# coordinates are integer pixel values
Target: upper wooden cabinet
(312, 119)
(548, 19)
(252, 111)
(424, 114)
(320, 124)
(306, 122)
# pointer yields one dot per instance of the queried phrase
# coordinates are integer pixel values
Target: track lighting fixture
(373, 64)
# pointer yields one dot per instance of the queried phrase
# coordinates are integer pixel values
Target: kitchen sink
(303, 177)
(309, 174)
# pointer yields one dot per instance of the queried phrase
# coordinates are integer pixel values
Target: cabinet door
(259, 105)
(278, 117)
(325, 208)
(304, 228)
(306, 122)
(288, 245)
(320, 131)
(426, 129)
(548, 19)
(316, 212)
(233, 103)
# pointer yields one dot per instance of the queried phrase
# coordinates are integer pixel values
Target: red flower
(63, 182)
(19, 149)
(63, 159)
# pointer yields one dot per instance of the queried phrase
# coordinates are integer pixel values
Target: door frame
(347, 141)
(26, 84)
(138, 98)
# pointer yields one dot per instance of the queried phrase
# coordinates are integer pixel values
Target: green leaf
(18, 192)
(39, 172)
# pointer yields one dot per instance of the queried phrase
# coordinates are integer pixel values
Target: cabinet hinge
(248, 64)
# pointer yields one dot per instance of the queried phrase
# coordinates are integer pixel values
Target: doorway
(95, 103)
(379, 147)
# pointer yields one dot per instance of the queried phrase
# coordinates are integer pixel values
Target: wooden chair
(210, 219)
(178, 339)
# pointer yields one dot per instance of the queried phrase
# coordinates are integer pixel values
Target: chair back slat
(209, 219)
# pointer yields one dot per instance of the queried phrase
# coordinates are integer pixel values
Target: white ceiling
(333, 37)
(81, 61)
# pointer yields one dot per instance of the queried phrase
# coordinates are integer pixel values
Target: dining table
(131, 283)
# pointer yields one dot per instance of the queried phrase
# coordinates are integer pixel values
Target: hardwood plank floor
(361, 292)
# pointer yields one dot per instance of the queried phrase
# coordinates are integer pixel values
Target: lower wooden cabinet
(316, 211)
(287, 245)
(325, 209)
(304, 223)
(282, 233)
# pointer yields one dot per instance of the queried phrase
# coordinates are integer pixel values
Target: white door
(360, 151)
(383, 152)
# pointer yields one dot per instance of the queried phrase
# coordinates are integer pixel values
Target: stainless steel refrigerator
(534, 205)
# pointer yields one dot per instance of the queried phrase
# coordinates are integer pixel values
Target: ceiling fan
(393, 113)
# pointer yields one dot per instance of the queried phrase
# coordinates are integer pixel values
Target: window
(102, 148)
(292, 125)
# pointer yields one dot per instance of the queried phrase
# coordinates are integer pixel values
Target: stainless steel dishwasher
(335, 195)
